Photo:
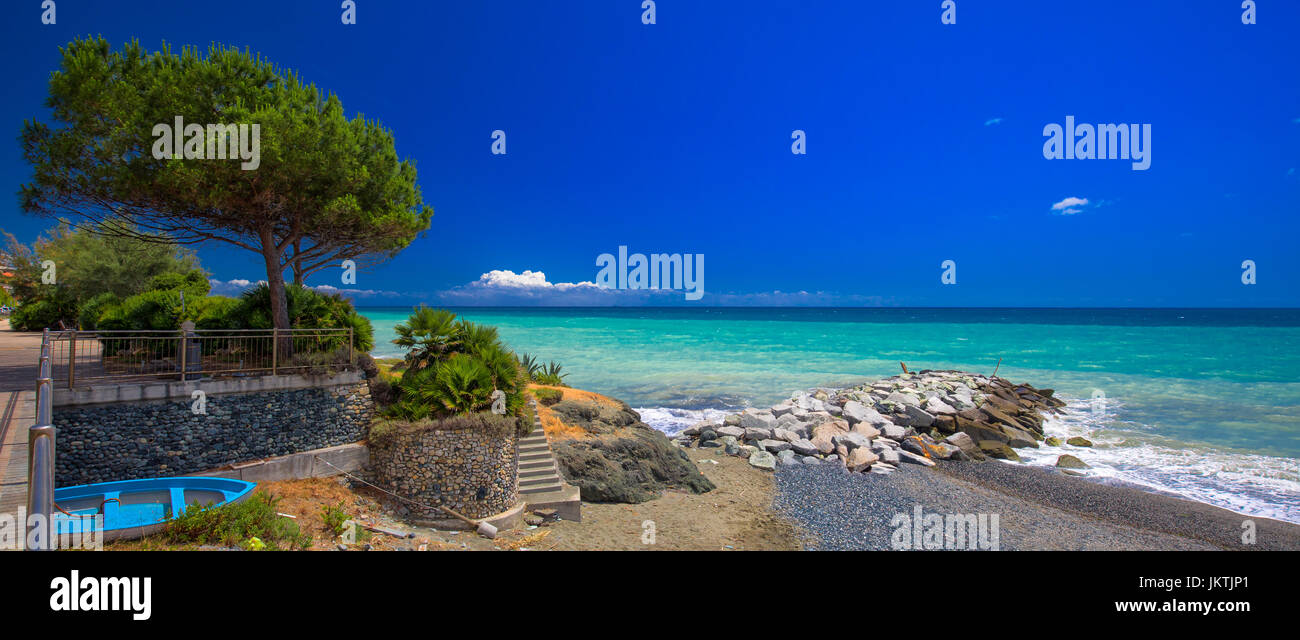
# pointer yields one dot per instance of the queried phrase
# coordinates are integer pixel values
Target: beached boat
(135, 508)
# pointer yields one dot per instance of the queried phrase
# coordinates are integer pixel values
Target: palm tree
(475, 338)
(461, 385)
(429, 335)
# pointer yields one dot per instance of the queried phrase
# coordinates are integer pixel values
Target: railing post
(184, 352)
(351, 356)
(191, 352)
(72, 359)
(275, 348)
(40, 460)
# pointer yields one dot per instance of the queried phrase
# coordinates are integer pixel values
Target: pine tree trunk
(279, 299)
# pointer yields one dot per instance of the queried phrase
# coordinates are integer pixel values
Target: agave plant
(551, 375)
(530, 365)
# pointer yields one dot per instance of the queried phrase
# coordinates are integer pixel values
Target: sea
(1198, 403)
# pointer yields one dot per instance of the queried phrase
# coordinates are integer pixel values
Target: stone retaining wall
(471, 470)
(149, 439)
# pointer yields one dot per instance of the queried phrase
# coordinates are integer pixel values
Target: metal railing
(40, 451)
(189, 354)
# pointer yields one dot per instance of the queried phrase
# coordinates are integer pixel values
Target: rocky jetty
(912, 418)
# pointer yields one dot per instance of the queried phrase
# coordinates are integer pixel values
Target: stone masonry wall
(473, 471)
(129, 440)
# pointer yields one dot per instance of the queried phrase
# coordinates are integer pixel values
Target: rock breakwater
(911, 418)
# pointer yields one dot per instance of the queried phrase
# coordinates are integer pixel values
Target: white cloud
(237, 286)
(231, 287)
(507, 279)
(1070, 206)
(356, 293)
(992, 121)
(531, 288)
(503, 287)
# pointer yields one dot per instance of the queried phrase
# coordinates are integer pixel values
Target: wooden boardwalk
(19, 355)
(17, 414)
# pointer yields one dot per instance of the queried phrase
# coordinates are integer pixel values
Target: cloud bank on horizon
(505, 288)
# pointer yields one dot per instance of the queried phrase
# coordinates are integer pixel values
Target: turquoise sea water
(1201, 403)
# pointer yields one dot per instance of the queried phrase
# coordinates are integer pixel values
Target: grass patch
(383, 430)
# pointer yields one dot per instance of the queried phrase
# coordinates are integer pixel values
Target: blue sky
(924, 143)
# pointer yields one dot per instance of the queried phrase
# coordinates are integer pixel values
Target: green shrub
(335, 518)
(88, 319)
(548, 397)
(234, 524)
(215, 312)
(461, 384)
(453, 367)
(41, 314)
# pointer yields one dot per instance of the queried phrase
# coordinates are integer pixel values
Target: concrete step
(523, 451)
(545, 488)
(533, 474)
(531, 465)
(533, 481)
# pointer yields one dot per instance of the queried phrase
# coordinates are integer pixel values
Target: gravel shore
(1037, 509)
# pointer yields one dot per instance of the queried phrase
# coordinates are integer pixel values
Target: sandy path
(736, 516)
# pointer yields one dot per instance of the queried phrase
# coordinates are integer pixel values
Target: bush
(453, 367)
(235, 524)
(461, 384)
(40, 314)
(548, 397)
(216, 312)
(88, 319)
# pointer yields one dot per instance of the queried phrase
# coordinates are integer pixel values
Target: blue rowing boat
(135, 508)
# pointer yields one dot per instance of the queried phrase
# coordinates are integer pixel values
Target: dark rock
(631, 463)
(995, 449)
(1068, 461)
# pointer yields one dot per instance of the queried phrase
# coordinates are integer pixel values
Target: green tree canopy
(91, 266)
(326, 188)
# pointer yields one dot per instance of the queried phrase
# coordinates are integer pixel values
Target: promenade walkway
(19, 353)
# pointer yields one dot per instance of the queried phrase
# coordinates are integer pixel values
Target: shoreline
(1037, 509)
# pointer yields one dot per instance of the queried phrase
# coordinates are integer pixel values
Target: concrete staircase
(540, 483)
(537, 470)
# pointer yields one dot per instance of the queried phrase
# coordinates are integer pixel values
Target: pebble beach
(1037, 509)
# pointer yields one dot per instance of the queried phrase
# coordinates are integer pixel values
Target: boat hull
(137, 508)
